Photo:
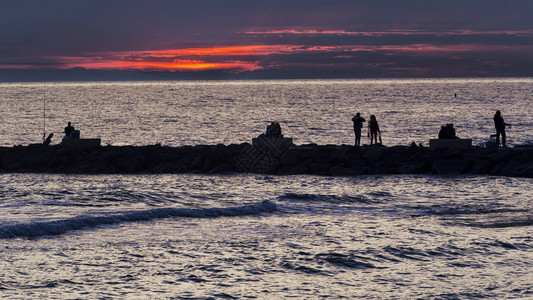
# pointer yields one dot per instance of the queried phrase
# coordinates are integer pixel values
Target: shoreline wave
(58, 227)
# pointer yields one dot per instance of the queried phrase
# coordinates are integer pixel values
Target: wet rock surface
(328, 160)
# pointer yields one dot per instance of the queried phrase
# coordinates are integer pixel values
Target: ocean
(232, 236)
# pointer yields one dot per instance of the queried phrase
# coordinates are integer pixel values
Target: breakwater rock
(330, 160)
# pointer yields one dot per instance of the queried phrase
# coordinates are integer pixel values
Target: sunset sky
(377, 38)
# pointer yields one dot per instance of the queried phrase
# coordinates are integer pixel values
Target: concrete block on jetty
(73, 141)
(264, 155)
(326, 160)
(80, 143)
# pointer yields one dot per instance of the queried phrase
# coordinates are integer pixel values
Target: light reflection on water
(313, 111)
(368, 236)
(198, 236)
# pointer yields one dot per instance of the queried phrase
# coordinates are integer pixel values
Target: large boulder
(294, 155)
(373, 154)
(301, 168)
(482, 166)
(319, 168)
(13, 160)
(414, 167)
(516, 167)
(343, 171)
(223, 168)
(442, 167)
(497, 168)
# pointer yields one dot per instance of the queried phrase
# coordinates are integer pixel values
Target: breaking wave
(38, 229)
(325, 198)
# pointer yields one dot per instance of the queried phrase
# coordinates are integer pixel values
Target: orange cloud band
(233, 58)
(154, 65)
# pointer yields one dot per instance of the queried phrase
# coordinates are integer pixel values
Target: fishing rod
(44, 115)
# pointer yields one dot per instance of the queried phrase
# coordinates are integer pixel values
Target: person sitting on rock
(269, 129)
(68, 130)
(273, 130)
(447, 132)
(451, 132)
(443, 133)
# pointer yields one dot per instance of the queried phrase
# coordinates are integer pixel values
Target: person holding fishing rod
(500, 124)
(373, 130)
(357, 126)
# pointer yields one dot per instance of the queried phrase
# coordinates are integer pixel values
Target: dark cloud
(33, 31)
(437, 38)
(67, 26)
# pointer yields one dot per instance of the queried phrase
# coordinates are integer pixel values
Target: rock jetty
(328, 160)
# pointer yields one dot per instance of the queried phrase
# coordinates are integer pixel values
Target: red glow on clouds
(236, 59)
(170, 60)
(391, 32)
(177, 59)
(211, 51)
(179, 64)
(225, 58)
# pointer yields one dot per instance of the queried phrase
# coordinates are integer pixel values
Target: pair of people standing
(373, 129)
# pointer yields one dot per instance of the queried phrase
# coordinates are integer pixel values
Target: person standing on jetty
(373, 129)
(500, 124)
(357, 126)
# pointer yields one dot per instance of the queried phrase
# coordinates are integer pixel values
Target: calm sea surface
(190, 236)
(192, 113)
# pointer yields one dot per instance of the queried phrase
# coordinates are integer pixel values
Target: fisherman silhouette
(357, 125)
(68, 130)
(500, 124)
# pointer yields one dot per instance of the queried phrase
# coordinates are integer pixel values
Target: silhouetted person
(357, 125)
(269, 129)
(443, 133)
(373, 128)
(451, 131)
(68, 130)
(447, 132)
(276, 130)
(500, 124)
(273, 130)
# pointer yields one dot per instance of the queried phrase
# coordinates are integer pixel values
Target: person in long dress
(373, 129)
